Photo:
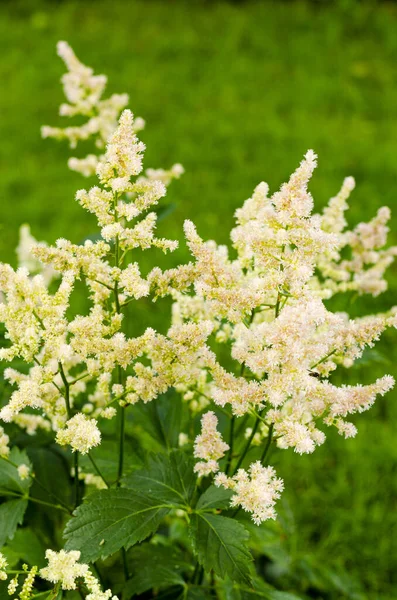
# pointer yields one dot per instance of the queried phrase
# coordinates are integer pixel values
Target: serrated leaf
(221, 545)
(9, 478)
(170, 479)
(155, 566)
(112, 519)
(11, 515)
(214, 498)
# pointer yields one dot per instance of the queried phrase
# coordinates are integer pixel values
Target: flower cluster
(256, 491)
(81, 433)
(4, 441)
(3, 566)
(364, 271)
(64, 568)
(209, 445)
(83, 91)
(268, 303)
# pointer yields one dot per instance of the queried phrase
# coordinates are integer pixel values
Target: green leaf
(27, 546)
(111, 519)
(11, 515)
(221, 545)
(214, 498)
(155, 567)
(9, 478)
(170, 479)
(161, 418)
(46, 462)
(149, 577)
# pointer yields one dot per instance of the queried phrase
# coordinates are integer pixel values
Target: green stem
(121, 444)
(102, 283)
(231, 443)
(233, 421)
(37, 500)
(242, 425)
(277, 307)
(323, 359)
(247, 446)
(268, 442)
(76, 479)
(76, 454)
(120, 381)
(125, 564)
(200, 576)
(78, 378)
(97, 470)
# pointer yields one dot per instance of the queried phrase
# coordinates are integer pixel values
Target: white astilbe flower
(31, 423)
(132, 282)
(268, 304)
(3, 566)
(27, 586)
(364, 271)
(175, 361)
(27, 260)
(4, 441)
(23, 471)
(81, 433)
(209, 445)
(63, 568)
(256, 491)
(84, 91)
(32, 316)
(13, 585)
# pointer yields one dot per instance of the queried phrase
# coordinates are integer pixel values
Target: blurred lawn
(237, 93)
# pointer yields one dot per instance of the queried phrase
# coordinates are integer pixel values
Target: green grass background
(237, 92)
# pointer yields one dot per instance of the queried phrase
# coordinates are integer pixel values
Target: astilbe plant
(87, 403)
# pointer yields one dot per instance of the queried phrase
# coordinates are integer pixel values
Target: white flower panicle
(209, 445)
(27, 260)
(364, 271)
(23, 471)
(81, 433)
(4, 443)
(64, 568)
(3, 566)
(27, 586)
(83, 91)
(256, 491)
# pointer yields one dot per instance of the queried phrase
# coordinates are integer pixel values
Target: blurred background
(236, 92)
